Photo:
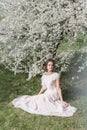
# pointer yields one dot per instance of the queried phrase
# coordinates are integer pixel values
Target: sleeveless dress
(47, 103)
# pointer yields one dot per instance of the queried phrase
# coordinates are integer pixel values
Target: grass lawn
(12, 118)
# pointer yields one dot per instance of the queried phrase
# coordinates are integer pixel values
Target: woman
(49, 101)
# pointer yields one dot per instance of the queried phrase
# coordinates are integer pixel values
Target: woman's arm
(43, 85)
(60, 93)
(41, 91)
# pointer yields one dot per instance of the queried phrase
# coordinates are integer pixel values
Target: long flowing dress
(47, 103)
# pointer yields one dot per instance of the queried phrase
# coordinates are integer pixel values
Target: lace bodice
(48, 80)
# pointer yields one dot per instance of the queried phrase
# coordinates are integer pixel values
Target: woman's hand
(65, 104)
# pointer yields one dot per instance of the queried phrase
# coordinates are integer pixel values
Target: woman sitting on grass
(49, 101)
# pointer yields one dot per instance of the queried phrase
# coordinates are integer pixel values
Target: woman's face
(50, 66)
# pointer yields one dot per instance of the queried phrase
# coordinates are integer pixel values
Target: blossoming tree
(31, 31)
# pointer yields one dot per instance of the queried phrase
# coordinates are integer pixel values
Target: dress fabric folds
(47, 103)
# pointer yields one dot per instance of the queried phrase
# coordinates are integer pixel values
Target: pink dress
(47, 103)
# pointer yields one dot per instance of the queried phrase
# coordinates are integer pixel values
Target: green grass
(12, 118)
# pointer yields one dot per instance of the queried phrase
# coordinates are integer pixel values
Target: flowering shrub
(30, 31)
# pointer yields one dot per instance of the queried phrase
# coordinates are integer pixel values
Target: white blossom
(30, 32)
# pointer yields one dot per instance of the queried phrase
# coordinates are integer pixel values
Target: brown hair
(46, 63)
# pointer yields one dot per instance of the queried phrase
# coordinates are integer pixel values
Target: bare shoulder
(43, 74)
